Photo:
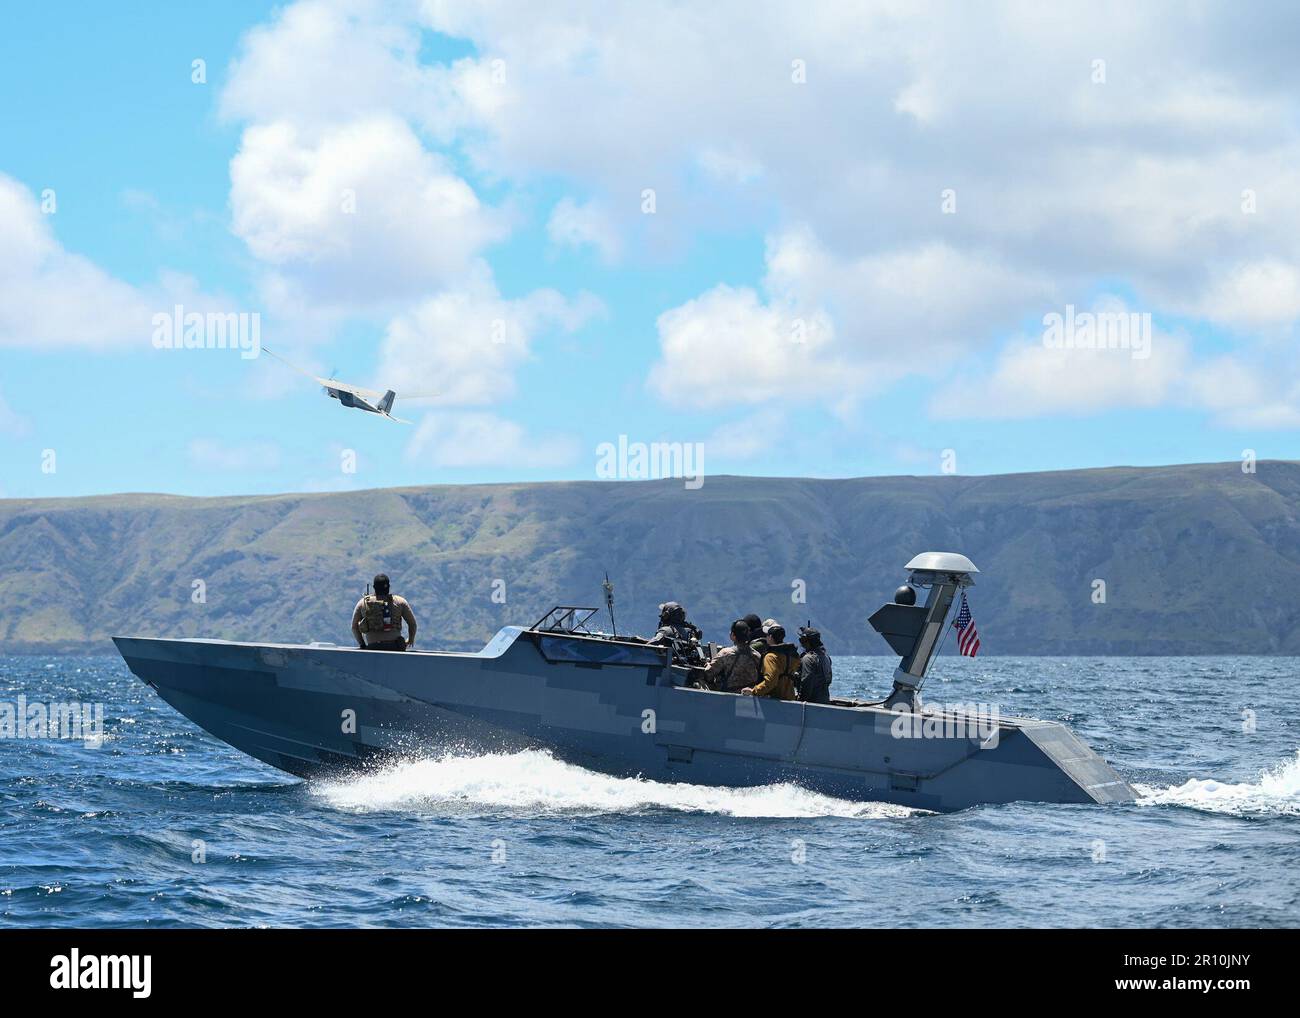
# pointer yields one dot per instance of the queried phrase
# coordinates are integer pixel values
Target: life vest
(380, 615)
(787, 668)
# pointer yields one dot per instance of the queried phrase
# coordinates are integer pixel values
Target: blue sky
(860, 218)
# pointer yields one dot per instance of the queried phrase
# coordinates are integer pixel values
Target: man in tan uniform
(377, 619)
(733, 668)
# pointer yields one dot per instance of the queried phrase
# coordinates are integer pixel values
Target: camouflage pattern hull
(613, 707)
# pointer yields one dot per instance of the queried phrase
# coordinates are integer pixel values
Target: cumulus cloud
(949, 170)
(52, 298)
(340, 193)
(1243, 395)
(320, 62)
(1097, 143)
(358, 213)
(1032, 378)
(467, 343)
(1029, 380)
(469, 438)
(852, 326)
(587, 225)
(728, 347)
(1259, 294)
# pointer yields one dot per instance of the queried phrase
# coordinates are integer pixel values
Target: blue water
(106, 837)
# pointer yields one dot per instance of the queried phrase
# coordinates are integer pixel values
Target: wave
(1276, 793)
(535, 781)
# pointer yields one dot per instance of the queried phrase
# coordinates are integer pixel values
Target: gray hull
(611, 707)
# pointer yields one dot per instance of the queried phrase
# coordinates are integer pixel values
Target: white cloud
(727, 348)
(53, 298)
(576, 226)
(359, 213)
(467, 343)
(1031, 379)
(1245, 396)
(1258, 294)
(1062, 181)
(732, 167)
(851, 326)
(320, 62)
(351, 212)
(477, 439)
(50, 297)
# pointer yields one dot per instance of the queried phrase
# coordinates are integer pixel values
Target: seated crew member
(814, 681)
(780, 665)
(676, 633)
(377, 619)
(735, 667)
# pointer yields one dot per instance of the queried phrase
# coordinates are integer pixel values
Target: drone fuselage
(351, 399)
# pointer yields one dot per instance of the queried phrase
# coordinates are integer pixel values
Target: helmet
(671, 611)
(381, 584)
(809, 637)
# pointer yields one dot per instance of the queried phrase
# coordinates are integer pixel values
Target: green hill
(1197, 559)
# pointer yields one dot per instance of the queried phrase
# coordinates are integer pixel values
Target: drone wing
(336, 386)
(305, 374)
(356, 390)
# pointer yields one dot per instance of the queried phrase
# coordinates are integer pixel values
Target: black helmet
(381, 584)
(809, 637)
(754, 622)
(671, 611)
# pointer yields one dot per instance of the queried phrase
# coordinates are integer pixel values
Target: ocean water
(163, 825)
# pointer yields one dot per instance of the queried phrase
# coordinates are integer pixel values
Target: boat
(622, 706)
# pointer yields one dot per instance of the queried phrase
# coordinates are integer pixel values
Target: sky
(819, 239)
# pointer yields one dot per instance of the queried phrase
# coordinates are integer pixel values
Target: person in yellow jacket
(780, 665)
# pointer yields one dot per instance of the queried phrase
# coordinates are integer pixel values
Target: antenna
(609, 601)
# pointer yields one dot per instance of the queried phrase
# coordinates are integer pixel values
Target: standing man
(780, 665)
(733, 668)
(377, 619)
(814, 680)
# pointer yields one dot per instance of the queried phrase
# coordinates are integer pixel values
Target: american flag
(968, 637)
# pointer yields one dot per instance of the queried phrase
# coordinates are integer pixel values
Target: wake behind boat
(624, 707)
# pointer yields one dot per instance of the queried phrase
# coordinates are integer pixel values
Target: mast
(609, 602)
(914, 631)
